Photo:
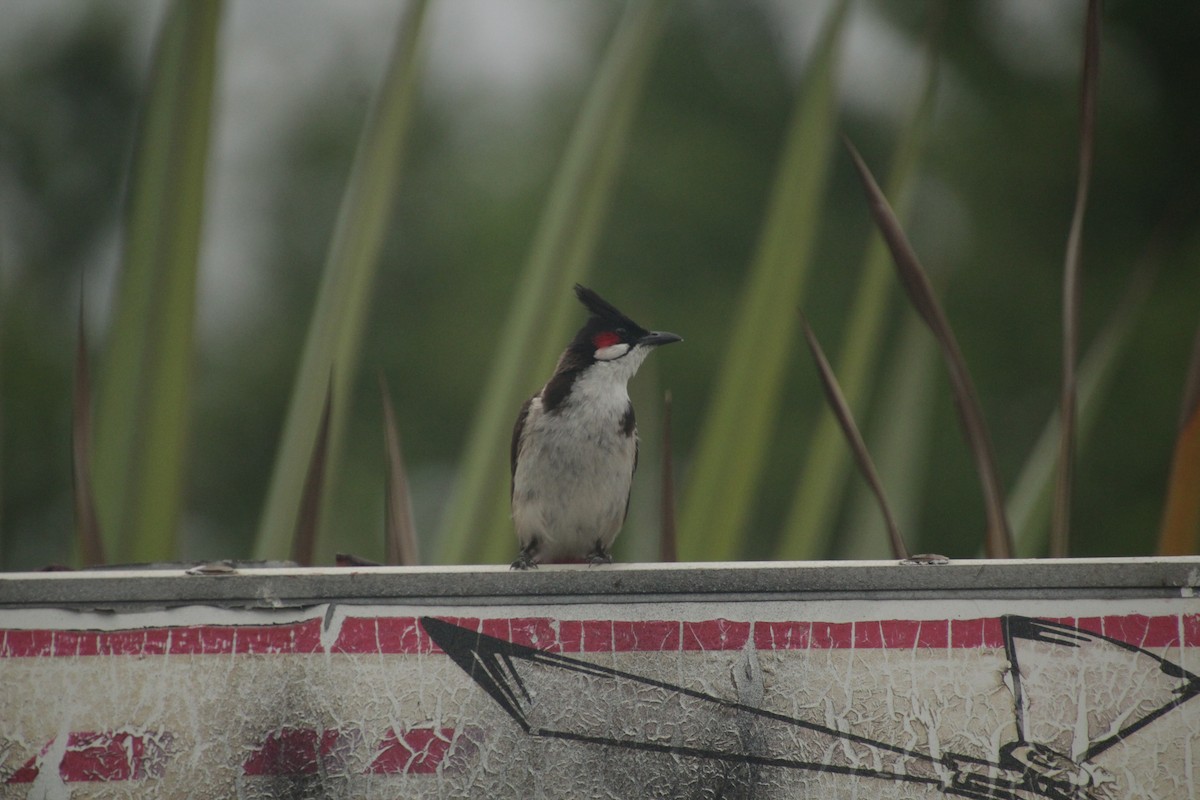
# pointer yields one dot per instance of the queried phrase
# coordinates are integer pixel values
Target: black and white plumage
(574, 447)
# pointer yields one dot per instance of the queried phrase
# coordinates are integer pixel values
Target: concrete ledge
(619, 583)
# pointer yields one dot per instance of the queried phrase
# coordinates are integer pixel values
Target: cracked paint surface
(823, 699)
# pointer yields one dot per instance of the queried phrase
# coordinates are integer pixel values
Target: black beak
(656, 338)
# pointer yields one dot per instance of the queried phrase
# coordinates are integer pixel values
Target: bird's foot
(524, 561)
(598, 556)
(525, 557)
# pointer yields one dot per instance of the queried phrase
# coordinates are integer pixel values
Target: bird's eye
(605, 339)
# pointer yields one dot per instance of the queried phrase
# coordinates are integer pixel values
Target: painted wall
(841, 697)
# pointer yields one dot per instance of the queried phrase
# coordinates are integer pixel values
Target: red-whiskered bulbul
(575, 446)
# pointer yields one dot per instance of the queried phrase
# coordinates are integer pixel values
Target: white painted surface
(833, 697)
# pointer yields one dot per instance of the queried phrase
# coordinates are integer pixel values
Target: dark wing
(515, 448)
(629, 428)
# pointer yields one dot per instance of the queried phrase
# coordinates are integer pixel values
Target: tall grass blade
(845, 419)
(400, 532)
(343, 300)
(736, 436)
(143, 406)
(1030, 503)
(87, 525)
(901, 445)
(998, 542)
(1180, 531)
(1060, 532)
(809, 524)
(474, 527)
(308, 516)
(667, 543)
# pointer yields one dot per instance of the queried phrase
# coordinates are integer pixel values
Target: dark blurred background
(992, 209)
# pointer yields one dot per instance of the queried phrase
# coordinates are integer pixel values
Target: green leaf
(475, 527)
(736, 436)
(1029, 506)
(845, 418)
(304, 539)
(143, 406)
(343, 300)
(902, 444)
(400, 531)
(1060, 533)
(809, 524)
(998, 539)
(87, 525)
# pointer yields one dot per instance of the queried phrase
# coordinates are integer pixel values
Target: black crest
(606, 313)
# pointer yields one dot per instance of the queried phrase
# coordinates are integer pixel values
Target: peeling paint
(973, 697)
(48, 783)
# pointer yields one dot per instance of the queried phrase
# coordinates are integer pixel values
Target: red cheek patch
(605, 339)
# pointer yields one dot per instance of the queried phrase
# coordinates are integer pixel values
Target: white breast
(571, 485)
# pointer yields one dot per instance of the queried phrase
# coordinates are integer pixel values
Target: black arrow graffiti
(540, 690)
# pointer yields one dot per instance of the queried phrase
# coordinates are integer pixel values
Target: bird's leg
(599, 555)
(525, 557)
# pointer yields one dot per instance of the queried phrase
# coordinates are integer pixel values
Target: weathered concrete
(1030, 679)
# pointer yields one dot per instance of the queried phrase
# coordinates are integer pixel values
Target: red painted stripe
(102, 756)
(404, 635)
(107, 756)
(382, 635)
(303, 751)
(717, 634)
(421, 751)
(976, 633)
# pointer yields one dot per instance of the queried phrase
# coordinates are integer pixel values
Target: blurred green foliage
(989, 218)
(143, 401)
(746, 400)
(330, 359)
